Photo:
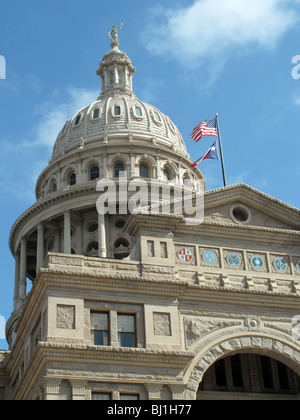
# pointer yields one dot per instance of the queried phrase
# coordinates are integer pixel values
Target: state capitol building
(143, 306)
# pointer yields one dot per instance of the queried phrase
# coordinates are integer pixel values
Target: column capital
(23, 240)
(154, 391)
(40, 225)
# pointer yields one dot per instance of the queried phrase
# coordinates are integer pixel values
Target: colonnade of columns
(21, 255)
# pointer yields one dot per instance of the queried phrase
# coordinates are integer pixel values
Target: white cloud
(29, 155)
(54, 113)
(208, 31)
(297, 100)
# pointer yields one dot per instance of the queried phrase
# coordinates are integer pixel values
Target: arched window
(120, 73)
(236, 373)
(144, 171)
(72, 179)
(138, 111)
(117, 110)
(121, 243)
(53, 186)
(166, 175)
(77, 120)
(94, 172)
(92, 248)
(96, 113)
(119, 167)
(111, 78)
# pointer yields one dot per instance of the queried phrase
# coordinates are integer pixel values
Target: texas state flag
(212, 153)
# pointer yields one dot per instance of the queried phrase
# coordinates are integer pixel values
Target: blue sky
(193, 59)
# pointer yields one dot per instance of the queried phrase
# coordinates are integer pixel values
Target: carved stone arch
(278, 348)
(149, 161)
(65, 173)
(53, 178)
(171, 167)
(116, 158)
(87, 164)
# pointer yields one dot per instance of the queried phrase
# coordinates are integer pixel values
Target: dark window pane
(96, 113)
(267, 372)
(77, 121)
(100, 338)
(237, 371)
(126, 339)
(96, 396)
(126, 330)
(138, 111)
(72, 180)
(129, 397)
(166, 175)
(144, 172)
(119, 167)
(94, 173)
(220, 373)
(117, 110)
(283, 376)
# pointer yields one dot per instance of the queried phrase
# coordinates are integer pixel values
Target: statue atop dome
(113, 34)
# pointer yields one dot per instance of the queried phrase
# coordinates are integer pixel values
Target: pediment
(243, 205)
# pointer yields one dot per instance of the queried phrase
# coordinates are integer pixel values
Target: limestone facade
(146, 306)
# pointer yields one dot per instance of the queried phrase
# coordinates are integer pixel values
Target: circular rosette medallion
(234, 260)
(209, 257)
(280, 264)
(257, 262)
(185, 255)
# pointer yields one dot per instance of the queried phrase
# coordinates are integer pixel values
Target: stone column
(78, 390)
(105, 80)
(40, 248)
(178, 391)
(116, 76)
(101, 236)
(17, 280)
(51, 386)
(79, 237)
(67, 232)
(154, 391)
(23, 268)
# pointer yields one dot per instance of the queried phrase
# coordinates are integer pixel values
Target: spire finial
(113, 33)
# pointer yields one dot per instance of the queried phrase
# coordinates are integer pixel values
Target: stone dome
(118, 111)
(116, 134)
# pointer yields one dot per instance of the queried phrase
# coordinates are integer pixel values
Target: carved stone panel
(65, 317)
(161, 324)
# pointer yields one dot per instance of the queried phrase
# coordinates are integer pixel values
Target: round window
(92, 227)
(119, 223)
(240, 213)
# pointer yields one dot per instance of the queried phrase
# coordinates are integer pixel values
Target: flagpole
(221, 152)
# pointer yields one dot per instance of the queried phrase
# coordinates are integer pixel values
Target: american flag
(205, 128)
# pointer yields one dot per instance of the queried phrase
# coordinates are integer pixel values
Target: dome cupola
(115, 69)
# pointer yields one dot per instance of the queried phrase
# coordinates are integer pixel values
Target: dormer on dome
(115, 69)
